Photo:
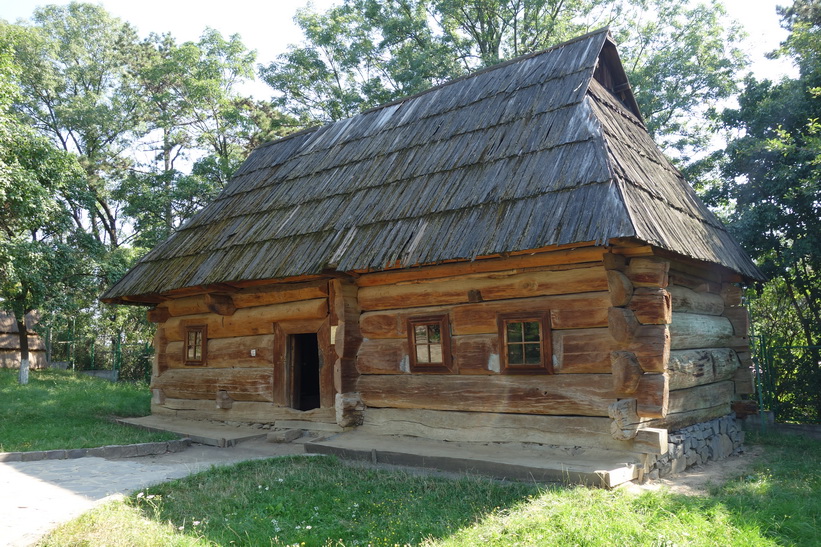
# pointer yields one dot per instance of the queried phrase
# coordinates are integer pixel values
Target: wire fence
(788, 380)
(126, 361)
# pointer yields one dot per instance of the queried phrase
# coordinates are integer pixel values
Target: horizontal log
(489, 287)
(651, 346)
(228, 352)
(648, 272)
(11, 359)
(574, 311)
(732, 294)
(582, 351)
(248, 321)
(612, 261)
(706, 396)
(389, 356)
(394, 323)
(619, 287)
(160, 314)
(740, 320)
(690, 330)
(622, 324)
(694, 367)
(652, 306)
(278, 294)
(678, 420)
(689, 301)
(652, 396)
(241, 411)
(694, 283)
(533, 260)
(221, 304)
(12, 341)
(558, 394)
(586, 432)
(476, 354)
(242, 384)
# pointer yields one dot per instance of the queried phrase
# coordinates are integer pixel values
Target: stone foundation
(698, 444)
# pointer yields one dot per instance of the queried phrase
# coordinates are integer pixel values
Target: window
(525, 343)
(195, 345)
(429, 342)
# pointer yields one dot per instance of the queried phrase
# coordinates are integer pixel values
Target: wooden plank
(699, 397)
(476, 354)
(690, 331)
(249, 321)
(678, 420)
(620, 288)
(388, 356)
(241, 384)
(490, 287)
(533, 260)
(240, 411)
(278, 294)
(221, 304)
(587, 432)
(581, 311)
(696, 284)
(558, 394)
(394, 323)
(693, 367)
(648, 272)
(582, 351)
(229, 352)
(652, 306)
(689, 301)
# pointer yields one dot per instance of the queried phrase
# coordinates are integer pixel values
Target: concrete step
(207, 433)
(501, 460)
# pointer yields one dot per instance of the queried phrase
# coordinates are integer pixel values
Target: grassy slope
(59, 409)
(319, 501)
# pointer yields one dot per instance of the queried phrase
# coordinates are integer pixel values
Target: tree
(38, 260)
(364, 52)
(772, 183)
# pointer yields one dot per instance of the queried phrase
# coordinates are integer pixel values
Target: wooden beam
(690, 330)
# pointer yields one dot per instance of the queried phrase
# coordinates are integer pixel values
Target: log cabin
(505, 257)
(10, 342)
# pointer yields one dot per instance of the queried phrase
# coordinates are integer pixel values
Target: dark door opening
(304, 365)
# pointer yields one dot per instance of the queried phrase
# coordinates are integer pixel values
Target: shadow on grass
(320, 501)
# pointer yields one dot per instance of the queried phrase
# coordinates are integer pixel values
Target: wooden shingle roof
(530, 153)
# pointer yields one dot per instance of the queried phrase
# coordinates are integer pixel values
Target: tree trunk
(23, 375)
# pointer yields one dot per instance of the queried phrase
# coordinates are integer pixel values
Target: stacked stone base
(698, 444)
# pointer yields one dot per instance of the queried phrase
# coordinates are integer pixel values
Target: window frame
(446, 365)
(545, 365)
(203, 332)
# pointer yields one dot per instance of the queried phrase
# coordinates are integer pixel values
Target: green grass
(319, 501)
(59, 409)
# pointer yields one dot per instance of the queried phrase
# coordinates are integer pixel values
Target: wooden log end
(158, 315)
(626, 372)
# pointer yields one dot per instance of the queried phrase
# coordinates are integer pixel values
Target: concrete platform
(200, 432)
(500, 460)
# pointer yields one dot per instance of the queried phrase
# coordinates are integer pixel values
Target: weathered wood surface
(11, 359)
(240, 411)
(699, 397)
(387, 356)
(744, 381)
(476, 354)
(345, 313)
(228, 352)
(158, 315)
(732, 294)
(740, 320)
(394, 323)
(651, 345)
(249, 321)
(690, 330)
(689, 301)
(652, 396)
(695, 283)
(693, 367)
(221, 304)
(160, 361)
(622, 324)
(620, 288)
(678, 420)
(241, 384)
(558, 394)
(278, 294)
(648, 272)
(626, 372)
(651, 306)
(12, 341)
(582, 351)
(550, 258)
(491, 287)
(613, 261)
(588, 432)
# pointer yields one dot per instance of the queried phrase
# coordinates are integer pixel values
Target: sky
(268, 26)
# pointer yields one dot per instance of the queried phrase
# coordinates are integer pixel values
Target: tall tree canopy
(681, 59)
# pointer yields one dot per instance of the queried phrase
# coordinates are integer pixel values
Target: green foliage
(62, 410)
(320, 501)
(681, 60)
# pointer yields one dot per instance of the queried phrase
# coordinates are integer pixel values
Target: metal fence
(106, 352)
(788, 380)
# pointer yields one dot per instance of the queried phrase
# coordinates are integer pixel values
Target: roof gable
(522, 155)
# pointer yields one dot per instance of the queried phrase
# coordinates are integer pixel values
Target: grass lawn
(59, 409)
(320, 501)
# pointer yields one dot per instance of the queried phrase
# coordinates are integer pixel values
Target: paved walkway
(35, 497)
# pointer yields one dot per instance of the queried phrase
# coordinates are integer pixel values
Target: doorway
(304, 368)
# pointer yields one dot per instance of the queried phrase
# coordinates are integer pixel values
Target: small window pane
(421, 332)
(434, 334)
(435, 353)
(514, 354)
(514, 332)
(533, 354)
(532, 331)
(422, 354)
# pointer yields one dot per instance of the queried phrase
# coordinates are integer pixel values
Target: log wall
(10, 343)
(245, 373)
